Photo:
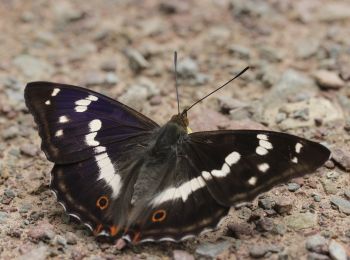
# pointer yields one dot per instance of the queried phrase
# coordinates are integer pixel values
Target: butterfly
(124, 176)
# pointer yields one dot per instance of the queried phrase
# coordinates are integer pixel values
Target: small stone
(293, 186)
(37, 253)
(331, 12)
(71, 238)
(343, 205)
(279, 229)
(266, 203)
(213, 249)
(271, 54)
(259, 251)
(317, 198)
(316, 256)
(93, 79)
(43, 231)
(329, 186)
(328, 79)
(111, 79)
(265, 224)
(342, 158)
(337, 251)
(60, 240)
(3, 217)
(239, 51)
(238, 230)
(329, 164)
(283, 205)
(182, 255)
(33, 68)
(29, 150)
(109, 65)
(317, 244)
(10, 133)
(187, 68)
(9, 193)
(155, 100)
(307, 48)
(299, 221)
(25, 207)
(136, 61)
(347, 194)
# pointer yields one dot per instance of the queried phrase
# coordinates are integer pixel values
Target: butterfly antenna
(195, 103)
(176, 85)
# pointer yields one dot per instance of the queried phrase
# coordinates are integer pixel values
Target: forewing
(239, 165)
(76, 123)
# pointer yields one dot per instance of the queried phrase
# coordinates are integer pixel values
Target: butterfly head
(181, 120)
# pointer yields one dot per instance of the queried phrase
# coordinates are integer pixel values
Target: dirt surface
(299, 54)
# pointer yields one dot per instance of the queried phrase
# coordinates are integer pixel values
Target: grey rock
(251, 8)
(182, 255)
(293, 186)
(337, 251)
(60, 240)
(111, 79)
(330, 12)
(328, 79)
(346, 193)
(329, 186)
(38, 253)
(29, 150)
(271, 54)
(307, 47)
(259, 251)
(265, 224)
(9, 193)
(299, 221)
(343, 205)
(317, 244)
(33, 68)
(316, 256)
(213, 249)
(228, 103)
(239, 51)
(333, 175)
(266, 203)
(136, 61)
(65, 12)
(283, 205)
(71, 238)
(317, 198)
(187, 68)
(342, 158)
(279, 229)
(94, 79)
(135, 96)
(10, 133)
(152, 89)
(81, 51)
(3, 217)
(25, 208)
(109, 65)
(239, 230)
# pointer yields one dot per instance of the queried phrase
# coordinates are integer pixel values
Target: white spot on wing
(263, 167)
(55, 92)
(63, 119)
(90, 139)
(182, 191)
(262, 137)
(298, 147)
(99, 149)
(47, 102)
(261, 150)
(225, 170)
(108, 174)
(59, 133)
(80, 108)
(92, 98)
(265, 144)
(232, 158)
(295, 160)
(83, 102)
(95, 125)
(206, 175)
(252, 181)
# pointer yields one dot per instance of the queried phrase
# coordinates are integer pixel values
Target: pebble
(271, 54)
(25, 208)
(343, 205)
(239, 229)
(111, 79)
(187, 68)
(265, 224)
(337, 251)
(317, 244)
(65, 12)
(109, 65)
(293, 186)
(329, 186)
(71, 238)
(37, 253)
(136, 61)
(283, 205)
(279, 229)
(239, 51)
(60, 240)
(182, 255)
(33, 68)
(259, 251)
(43, 231)
(342, 158)
(3, 217)
(328, 79)
(331, 12)
(307, 48)
(10, 133)
(266, 203)
(299, 221)
(29, 150)
(213, 249)
(316, 256)
(347, 194)
(93, 79)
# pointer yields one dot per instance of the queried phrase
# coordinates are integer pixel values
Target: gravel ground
(299, 54)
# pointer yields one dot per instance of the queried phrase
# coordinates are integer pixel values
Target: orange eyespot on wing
(159, 215)
(113, 230)
(102, 202)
